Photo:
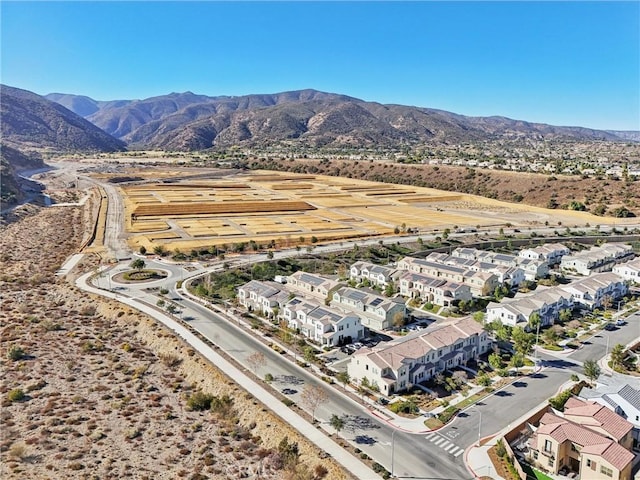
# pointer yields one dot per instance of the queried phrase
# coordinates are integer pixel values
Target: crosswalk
(445, 444)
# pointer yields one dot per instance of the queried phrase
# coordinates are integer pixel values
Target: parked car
(609, 327)
(289, 391)
(620, 322)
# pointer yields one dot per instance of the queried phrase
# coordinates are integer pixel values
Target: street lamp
(479, 425)
(537, 339)
(393, 444)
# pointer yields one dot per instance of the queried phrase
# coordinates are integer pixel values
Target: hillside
(31, 122)
(12, 162)
(186, 121)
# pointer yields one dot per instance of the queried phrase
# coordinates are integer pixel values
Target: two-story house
(326, 326)
(311, 284)
(430, 289)
(551, 253)
(378, 275)
(401, 363)
(262, 297)
(375, 311)
(630, 271)
(597, 259)
(592, 292)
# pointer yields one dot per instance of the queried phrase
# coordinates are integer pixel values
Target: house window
(551, 461)
(547, 446)
(591, 464)
(606, 471)
(535, 454)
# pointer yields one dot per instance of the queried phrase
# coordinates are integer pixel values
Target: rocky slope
(31, 122)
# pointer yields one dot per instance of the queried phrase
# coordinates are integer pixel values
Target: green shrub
(268, 378)
(199, 401)
(16, 395)
(448, 413)
(559, 400)
(15, 353)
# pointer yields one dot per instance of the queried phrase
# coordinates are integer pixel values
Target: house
(630, 271)
(435, 290)
(311, 284)
(562, 444)
(551, 253)
(594, 291)
(533, 268)
(600, 419)
(512, 276)
(621, 398)
(401, 363)
(262, 297)
(480, 283)
(597, 259)
(547, 303)
(377, 312)
(378, 275)
(329, 327)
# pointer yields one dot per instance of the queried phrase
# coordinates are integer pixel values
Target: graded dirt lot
(91, 389)
(287, 209)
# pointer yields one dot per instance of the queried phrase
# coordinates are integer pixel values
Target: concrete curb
(315, 436)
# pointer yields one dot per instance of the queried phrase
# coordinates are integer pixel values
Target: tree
(522, 341)
(398, 319)
(517, 361)
(337, 422)
(309, 354)
(390, 289)
(565, 315)
(256, 360)
(143, 250)
(495, 361)
(534, 321)
(551, 336)
(171, 308)
(343, 378)
(591, 370)
(312, 397)
(138, 264)
(617, 356)
(159, 250)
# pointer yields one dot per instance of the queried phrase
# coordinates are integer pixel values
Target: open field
(288, 209)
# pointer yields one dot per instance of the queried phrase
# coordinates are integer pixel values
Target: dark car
(289, 391)
(609, 327)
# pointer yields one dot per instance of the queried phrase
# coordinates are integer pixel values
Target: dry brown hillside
(599, 196)
(91, 389)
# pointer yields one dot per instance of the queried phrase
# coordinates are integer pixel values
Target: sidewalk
(314, 435)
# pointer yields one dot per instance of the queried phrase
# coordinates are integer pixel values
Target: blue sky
(573, 63)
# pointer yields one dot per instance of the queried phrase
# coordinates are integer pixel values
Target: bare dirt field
(91, 389)
(289, 209)
(535, 189)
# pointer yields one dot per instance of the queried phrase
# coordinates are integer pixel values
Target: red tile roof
(592, 414)
(591, 442)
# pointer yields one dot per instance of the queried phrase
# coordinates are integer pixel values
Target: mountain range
(187, 121)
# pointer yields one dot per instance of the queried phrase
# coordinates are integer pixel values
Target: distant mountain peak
(189, 121)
